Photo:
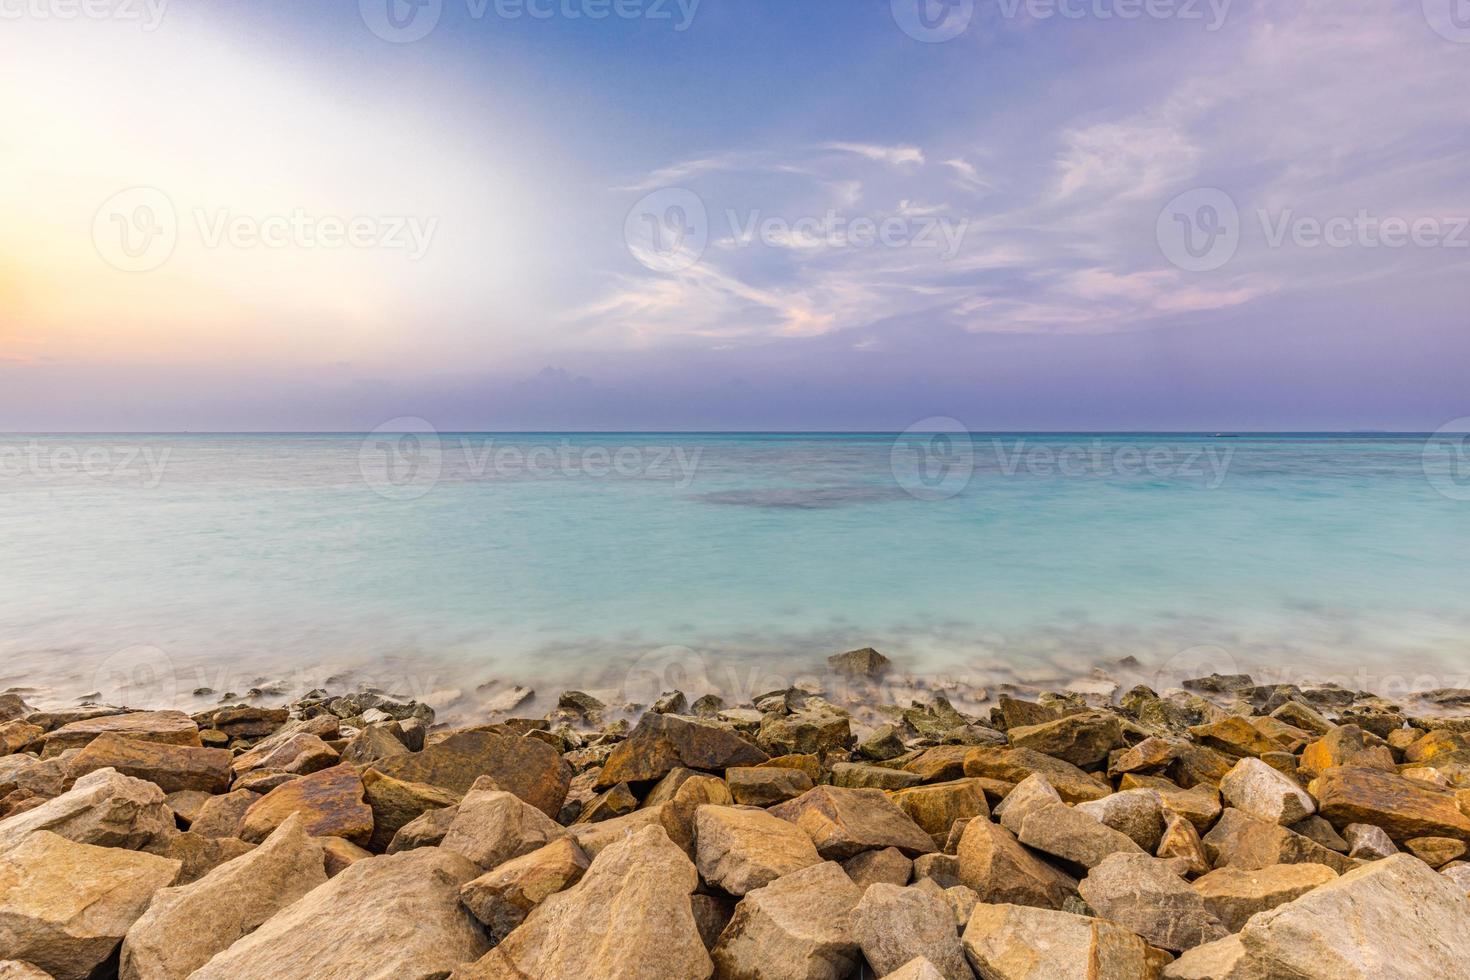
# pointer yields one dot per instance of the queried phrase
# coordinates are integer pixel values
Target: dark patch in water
(804, 498)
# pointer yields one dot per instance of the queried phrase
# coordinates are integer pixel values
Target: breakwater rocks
(1226, 831)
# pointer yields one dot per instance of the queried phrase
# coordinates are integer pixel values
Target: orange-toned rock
(662, 743)
(1014, 765)
(1405, 808)
(171, 727)
(1348, 745)
(845, 822)
(330, 802)
(170, 767)
(527, 767)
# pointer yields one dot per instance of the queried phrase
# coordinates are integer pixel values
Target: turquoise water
(454, 565)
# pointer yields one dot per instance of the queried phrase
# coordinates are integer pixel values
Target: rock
(426, 830)
(1435, 851)
(1257, 789)
(1059, 830)
(629, 916)
(1242, 841)
(1031, 794)
(17, 735)
(678, 815)
(1220, 683)
(861, 775)
(339, 854)
(817, 728)
(1301, 716)
(943, 762)
(220, 816)
(300, 753)
(581, 705)
(503, 897)
(1322, 832)
(1001, 871)
(893, 925)
(373, 743)
(708, 705)
(1233, 736)
(918, 968)
(1394, 917)
(395, 803)
(616, 802)
(594, 838)
(740, 850)
(65, 906)
(1144, 895)
(1233, 895)
(104, 808)
(185, 927)
(1151, 755)
(528, 768)
(1015, 942)
(670, 703)
(171, 727)
(492, 826)
(1181, 842)
(262, 781)
(712, 913)
(882, 745)
(1223, 959)
(844, 822)
(16, 970)
(887, 866)
(1345, 746)
(662, 743)
(796, 928)
(944, 869)
(1438, 747)
(1459, 873)
(1012, 712)
(384, 918)
(186, 804)
(169, 767)
(1367, 842)
(865, 664)
(247, 722)
(1200, 805)
(1136, 813)
(198, 856)
(1082, 739)
(936, 807)
(1014, 765)
(1404, 808)
(763, 786)
(329, 801)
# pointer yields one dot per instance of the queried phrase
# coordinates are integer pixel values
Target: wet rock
(1367, 842)
(797, 927)
(762, 786)
(526, 767)
(426, 830)
(1001, 871)
(386, 917)
(888, 866)
(1059, 830)
(893, 925)
(492, 826)
(220, 816)
(104, 808)
(1345, 746)
(866, 664)
(662, 743)
(65, 906)
(185, 927)
(817, 728)
(1136, 813)
(1146, 896)
(1435, 851)
(1014, 765)
(1404, 808)
(859, 775)
(171, 727)
(1016, 942)
(882, 745)
(1084, 740)
(936, 807)
(629, 916)
(1242, 841)
(844, 822)
(395, 803)
(503, 897)
(1233, 895)
(331, 803)
(1257, 789)
(169, 767)
(740, 850)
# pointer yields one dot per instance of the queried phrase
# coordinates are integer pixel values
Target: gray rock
(1257, 789)
(1138, 813)
(1367, 842)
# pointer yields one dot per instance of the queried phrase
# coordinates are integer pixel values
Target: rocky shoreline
(1223, 831)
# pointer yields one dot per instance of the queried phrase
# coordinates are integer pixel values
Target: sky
(734, 214)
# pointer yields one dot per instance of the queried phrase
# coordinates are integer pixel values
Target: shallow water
(447, 565)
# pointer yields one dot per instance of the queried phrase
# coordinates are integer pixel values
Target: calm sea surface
(450, 565)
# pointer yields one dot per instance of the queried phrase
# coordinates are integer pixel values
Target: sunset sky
(515, 147)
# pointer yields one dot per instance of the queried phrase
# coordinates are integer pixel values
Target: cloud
(894, 156)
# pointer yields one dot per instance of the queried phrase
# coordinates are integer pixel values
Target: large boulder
(845, 822)
(1001, 871)
(816, 728)
(503, 897)
(1017, 942)
(1199, 804)
(662, 743)
(864, 664)
(765, 785)
(329, 801)
(220, 816)
(298, 752)
(1061, 831)
(1404, 808)
(629, 917)
(64, 906)
(170, 727)
(796, 928)
(185, 927)
(384, 918)
(1242, 841)
(1145, 895)
(893, 925)
(1234, 895)
(492, 826)
(1083, 739)
(104, 808)
(740, 849)
(936, 807)
(1347, 745)
(169, 767)
(1257, 789)
(1139, 814)
(395, 803)
(527, 767)
(1014, 765)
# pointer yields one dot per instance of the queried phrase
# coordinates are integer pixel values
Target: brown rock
(171, 727)
(1200, 805)
(492, 826)
(1136, 813)
(796, 928)
(198, 856)
(941, 763)
(893, 925)
(1181, 843)
(220, 816)
(1144, 895)
(1084, 739)
(1437, 747)
(340, 854)
(426, 830)
(503, 897)
(1367, 842)
(594, 838)
(16, 970)
(1233, 736)
(762, 786)
(1261, 791)
(330, 802)
(1435, 851)
(169, 767)
(845, 822)
(1001, 871)
(678, 815)
(1404, 808)
(740, 849)
(817, 728)
(662, 743)
(104, 808)
(395, 803)
(301, 753)
(17, 736)
(712, 913)
(1345, 746)
(808, 764)
(867, 663)
(373, 743)
(937, 806)
(1233, 895)
(1242, 841)
(246, 722)
(1015, 942)
(1016, 713)
(1014, 765)
(528, 768)
(616, 802)
(888, 866)
(1059, 830)
(860, 775)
